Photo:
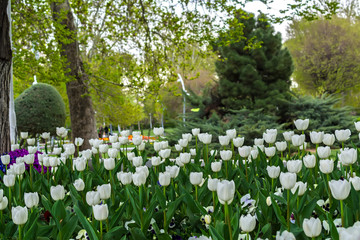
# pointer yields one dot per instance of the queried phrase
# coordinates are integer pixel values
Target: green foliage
(326, 53)
(39, 109)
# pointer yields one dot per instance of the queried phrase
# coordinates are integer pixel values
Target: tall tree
(5, 75)
(252, 78)
(326, 53)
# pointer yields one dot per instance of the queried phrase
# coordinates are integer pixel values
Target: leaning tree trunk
(5, 74)
(82, 114)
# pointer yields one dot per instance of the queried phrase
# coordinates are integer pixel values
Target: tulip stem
(101, 230)
(31, 185)
(288, 209)
(351, 171)
(165, 226)
(9, 198)
(246, 171)
(20, 187)
(272, 184)
(342, 213)
(196, 192)
(196, 143)
(328, 180)
(247, 236)
(226, 170)
(20, 232)
(213, 196)
(227, 219)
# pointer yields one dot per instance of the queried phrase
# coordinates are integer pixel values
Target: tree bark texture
(82, 114)
(5, 74)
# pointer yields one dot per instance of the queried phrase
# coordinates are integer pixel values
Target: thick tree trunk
(81, 109)
(5, 74)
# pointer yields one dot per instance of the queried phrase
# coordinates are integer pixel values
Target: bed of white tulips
(264, 191)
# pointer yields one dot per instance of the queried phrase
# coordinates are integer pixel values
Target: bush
(39, 109)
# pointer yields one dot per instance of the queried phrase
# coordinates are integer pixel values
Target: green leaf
(137, 234)
(84, 222)
(115, 233)
(67, 231)
(214, 234)
(277, 210)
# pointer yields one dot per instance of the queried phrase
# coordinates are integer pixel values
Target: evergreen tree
(256, 77)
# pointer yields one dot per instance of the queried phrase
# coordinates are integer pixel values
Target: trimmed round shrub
(39, 109)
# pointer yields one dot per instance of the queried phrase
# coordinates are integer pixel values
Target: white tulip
(45, 135)
(9, 180)
(269, 137)
(216, 166)
(326, 166)
(273, 171)
(101, 212)
(19, 168)
(281, 146)
(79, 185)
(24, 135)
(254, 153)
(270, 151)
(79, 141)
(258, 141)
(247, 223)
(130, 155)
(224, 140)
(329, 139)
(342, 135)
(113, 152)
(231, 133)
(340, 189)
(137, 161)
(15, 147)
(19, 215)
(80, 164)
(301, 124)
(238, 142)
(288, 135)
(124, 177)
(123, 140)
(195, 131)
(348, 156)
(301, 186)
(57, 192)
(196, 178)
(324, 152)
(4, 203)
(165, 153)
(205, 138)
(116, 145)
(139, 178)
(312, 227)
(5, 159)
(244, 151)
(173, 170)
(31, 199)
(309, 161)
(137, 140)
(178, 148)
(225, 191)
(183, 142)
(226, 155)
(285, 235)
(61, 132)
(112, 139)
(316, 137)
(212, 184)
(92, 198)
(155, 161)
(355, 181)
(158, 131)
(288, 180)
(193, 152)
(103, 148)
(187, 136)
(104, 191)
(298, 140)
(30, 141)
(125, 133)
(164, 179)
(294, 166)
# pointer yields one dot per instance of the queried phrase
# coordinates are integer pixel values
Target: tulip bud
(294, 166)
(355, 181)
(19, 168)
(9, 180)
(323, 152)
(273, 171)
(312, 227)
(193, 152)
(285, 235)
(298, 140)
(24, 135)
(207, 219)
(164, 179)
(268, 201)
(19, 215)
(195, 131)
(258, 141)
(103, 148)
(79, 141)
(212, 184)
(109, 164)
(225, 191)
(183, 142)
(101, 212)
(329, 139)
(238, 142)
(45, 135)
(301, 125)
(139, 178)
(57, 193)
(226, 155)
(316, 137)
(247, 223)
(113, 152)
(124, 177)
(231, 133)
(31, 199)
(288, 180)
(187, 136)
(244, 151)
(342, 135)
(205, 138)
(287, 135)
(165, 153)
(185, 158)
(137, 161)
(348, 156)
(326, 166)
(340, 189)
(254, 153)
(61, 132)
(29, 159)
(137, 140)
(104, 191)
(113, 139)
(309, 161)
(301, 186)
(216, 166)
(155, 161)
(158, 131)
(80, 164)
(3, 203)
(281, 146)
(5, 159)
(30, 141)
(270, 151)
(224, 140)
(92, 198)
(269, 136)
(79, 185)
(173, 170)
(196, 178)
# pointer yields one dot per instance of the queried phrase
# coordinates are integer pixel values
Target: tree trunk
(82, 114)
(5, 74)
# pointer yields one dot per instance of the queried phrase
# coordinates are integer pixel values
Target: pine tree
(256, 77)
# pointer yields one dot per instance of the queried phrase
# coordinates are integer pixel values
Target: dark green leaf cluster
(40, 109)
